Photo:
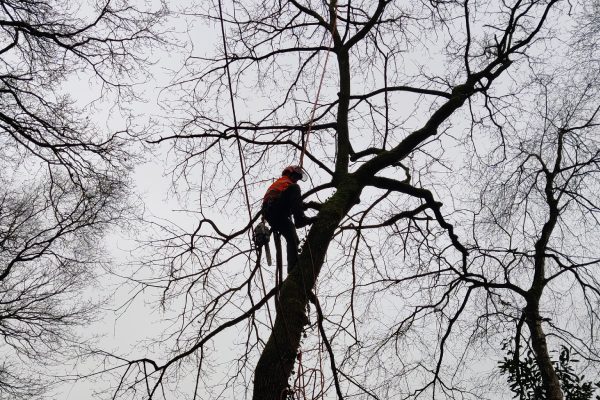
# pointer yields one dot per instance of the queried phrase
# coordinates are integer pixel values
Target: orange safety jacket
(277, 188)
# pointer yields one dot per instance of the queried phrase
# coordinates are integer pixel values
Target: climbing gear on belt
(262, 233)
(277, 188)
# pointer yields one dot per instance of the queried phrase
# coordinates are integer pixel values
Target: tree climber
(282, 200)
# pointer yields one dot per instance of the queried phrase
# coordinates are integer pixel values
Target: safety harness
(276, 189)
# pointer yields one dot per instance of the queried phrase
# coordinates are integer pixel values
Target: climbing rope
(316, 102)
(314, 108)
(301, 383)
(301, 371)
(239, 148)
(232, 101)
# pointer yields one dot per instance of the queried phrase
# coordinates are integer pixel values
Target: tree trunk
(542, 356)
(277, 359)
(532, 311)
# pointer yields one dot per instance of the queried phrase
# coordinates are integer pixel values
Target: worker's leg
(283, 224)
(288, 231)
(278, 262)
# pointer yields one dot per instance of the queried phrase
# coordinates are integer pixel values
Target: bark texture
(542, 355)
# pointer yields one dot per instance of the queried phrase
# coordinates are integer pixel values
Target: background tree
(526, 382)
(64, 180)
(532, 208)
(396, 280)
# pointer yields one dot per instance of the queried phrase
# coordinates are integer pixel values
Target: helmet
(295, 170)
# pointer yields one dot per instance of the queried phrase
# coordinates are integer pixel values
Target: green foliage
(525, 379)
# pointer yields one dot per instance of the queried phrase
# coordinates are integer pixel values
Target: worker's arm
(294, 196)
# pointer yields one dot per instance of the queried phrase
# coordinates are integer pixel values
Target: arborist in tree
(282, 200)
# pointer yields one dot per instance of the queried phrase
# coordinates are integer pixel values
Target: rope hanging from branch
(235, 124)
(333, 29)
(316, 102)
(239, 148)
